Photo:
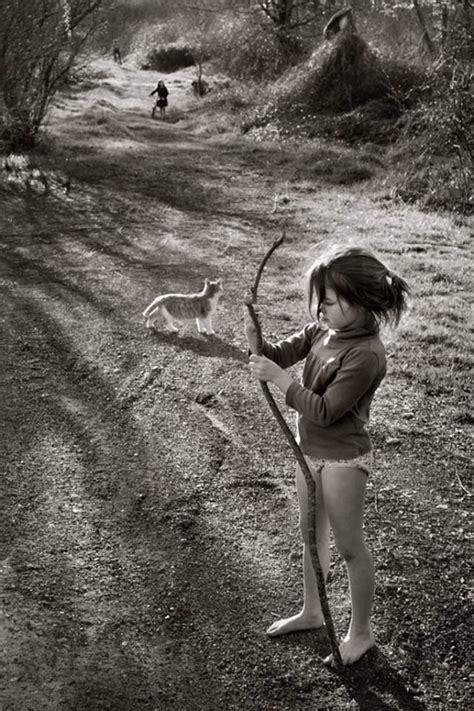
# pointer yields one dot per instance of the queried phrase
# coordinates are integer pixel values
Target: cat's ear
(218, 281)
(206, 282)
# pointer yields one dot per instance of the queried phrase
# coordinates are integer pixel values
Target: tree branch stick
(310, 483)
(254, 288)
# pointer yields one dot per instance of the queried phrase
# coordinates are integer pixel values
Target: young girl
(162, 99)
(344, 365)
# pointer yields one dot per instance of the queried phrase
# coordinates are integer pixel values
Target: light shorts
(365, 463)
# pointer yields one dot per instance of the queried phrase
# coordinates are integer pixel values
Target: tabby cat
(182, 307)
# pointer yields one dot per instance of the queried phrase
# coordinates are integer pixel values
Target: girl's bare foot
(352, 648)
(297, 623)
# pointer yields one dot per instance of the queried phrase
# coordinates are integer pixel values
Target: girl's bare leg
(344, 497)
(311, 616)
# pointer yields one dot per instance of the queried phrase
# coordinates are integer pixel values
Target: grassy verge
(419, 120)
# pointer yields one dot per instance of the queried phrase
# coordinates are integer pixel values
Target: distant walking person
(116, 52)
(161, 99)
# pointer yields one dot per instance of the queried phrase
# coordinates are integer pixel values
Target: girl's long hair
(358, 277)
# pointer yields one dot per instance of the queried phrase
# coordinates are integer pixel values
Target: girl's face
(337, 313)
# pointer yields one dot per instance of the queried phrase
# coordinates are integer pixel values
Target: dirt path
(149, 531)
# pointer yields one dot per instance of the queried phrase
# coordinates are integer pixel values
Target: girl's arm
(287, 352)
(359, 371)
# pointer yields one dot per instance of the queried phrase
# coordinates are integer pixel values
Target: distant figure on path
(116, 52)
(161, 100)
(352, 293)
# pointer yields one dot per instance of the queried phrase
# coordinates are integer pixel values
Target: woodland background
(402, 76)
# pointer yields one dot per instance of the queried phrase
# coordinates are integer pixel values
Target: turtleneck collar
(334, 338)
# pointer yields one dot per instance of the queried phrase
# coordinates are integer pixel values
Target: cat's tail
(152, 307)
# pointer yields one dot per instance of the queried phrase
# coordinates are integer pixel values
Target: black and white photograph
(236, 355)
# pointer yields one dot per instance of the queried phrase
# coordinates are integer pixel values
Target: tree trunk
(444, 26)
(427, 41)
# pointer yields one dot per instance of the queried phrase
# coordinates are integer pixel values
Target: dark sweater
(162, 92)
(343, 369)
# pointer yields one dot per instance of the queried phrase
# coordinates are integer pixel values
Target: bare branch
(40, 48)
(274, 246)
(250, 301)
(424, 30)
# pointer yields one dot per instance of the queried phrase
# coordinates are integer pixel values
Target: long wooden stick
(250, 302)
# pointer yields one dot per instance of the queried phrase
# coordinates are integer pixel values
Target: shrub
(345, 90)
(337, 77)
(440, 136)
(252, 50)
(169, 58)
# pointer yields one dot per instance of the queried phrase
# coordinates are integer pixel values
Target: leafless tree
(39, 43)
(288, 14)
(456, 32)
